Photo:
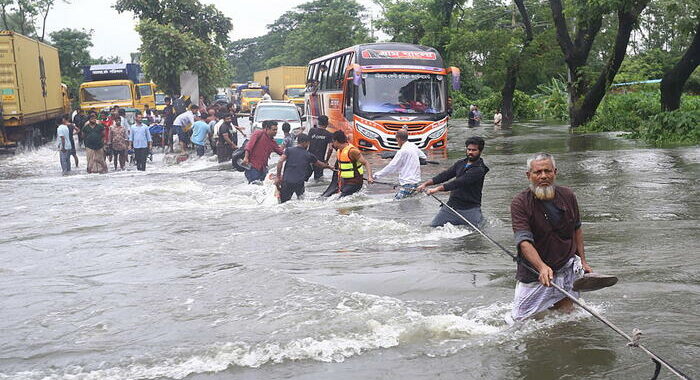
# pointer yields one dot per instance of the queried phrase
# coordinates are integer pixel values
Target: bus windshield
(295, 92)
(402, 93)
(252, 93)
(160, 99)
(105, 93)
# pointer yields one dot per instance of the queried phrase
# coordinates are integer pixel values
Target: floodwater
(187, 272)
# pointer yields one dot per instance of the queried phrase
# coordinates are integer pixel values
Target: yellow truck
(249, 95)
(279, 78)
(33, 98)
(294, 93)
(108, 85)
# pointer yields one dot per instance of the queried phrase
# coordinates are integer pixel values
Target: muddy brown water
(186, 272)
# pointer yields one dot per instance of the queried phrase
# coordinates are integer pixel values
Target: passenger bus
(370, 91)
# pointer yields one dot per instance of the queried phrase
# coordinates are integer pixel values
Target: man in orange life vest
(351, 165)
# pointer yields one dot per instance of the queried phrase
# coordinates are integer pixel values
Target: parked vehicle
(281, 112)
(33, 98)
(294, 93)
(115, 84)
(249, 95)
(280, 78)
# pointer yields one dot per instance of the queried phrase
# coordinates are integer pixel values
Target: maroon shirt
(259, 149)
(554, 241)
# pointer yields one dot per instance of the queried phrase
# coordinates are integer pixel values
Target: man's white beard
(543, 193)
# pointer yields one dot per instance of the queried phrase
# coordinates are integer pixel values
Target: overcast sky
(113, 33)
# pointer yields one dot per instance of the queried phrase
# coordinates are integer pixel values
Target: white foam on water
(393, 232)
(370, 322)
(373, 322)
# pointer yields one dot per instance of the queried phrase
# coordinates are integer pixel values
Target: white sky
(113, 33)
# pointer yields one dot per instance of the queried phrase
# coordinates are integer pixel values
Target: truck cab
(115, 84)
(250, 95)
(294, 93)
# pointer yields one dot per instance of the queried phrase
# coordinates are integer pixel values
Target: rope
(633, 341)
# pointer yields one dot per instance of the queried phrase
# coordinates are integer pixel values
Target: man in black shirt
(169, 115)
(320, 139)
(467, 177)
(296, 161)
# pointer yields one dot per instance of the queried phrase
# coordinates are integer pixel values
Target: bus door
(348, 91)
(146, 95)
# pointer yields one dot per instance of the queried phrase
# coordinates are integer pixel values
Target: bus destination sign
(398, 54)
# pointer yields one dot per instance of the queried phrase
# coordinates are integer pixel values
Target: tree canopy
(308, 31)
(179, 35)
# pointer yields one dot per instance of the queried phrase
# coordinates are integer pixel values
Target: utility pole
(512, 15)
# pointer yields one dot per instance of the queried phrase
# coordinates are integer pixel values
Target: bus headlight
(366, 132)
(437, 133)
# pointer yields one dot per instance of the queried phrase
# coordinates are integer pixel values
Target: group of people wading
(545, 216)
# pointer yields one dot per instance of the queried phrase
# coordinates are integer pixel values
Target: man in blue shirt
(200, 134)
(140, 141)
(63, 140)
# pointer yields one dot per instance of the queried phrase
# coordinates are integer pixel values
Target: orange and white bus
(370, 91)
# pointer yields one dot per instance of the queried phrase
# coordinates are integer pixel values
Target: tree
(584, 96)
(166, 52)
(308, 31)
(21, 16)
(673, 81)
(180, 35)
(403, 20)
(514, 66)
(317, 28)
(205, 22)
(72, 45)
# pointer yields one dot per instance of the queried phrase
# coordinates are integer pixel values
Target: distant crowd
(110, 135)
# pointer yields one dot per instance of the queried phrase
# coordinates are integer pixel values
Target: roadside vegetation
(532, 59)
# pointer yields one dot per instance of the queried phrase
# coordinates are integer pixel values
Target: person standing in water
(296, 161)
(547, 227)
(140, 139)
(466, 182)
(407, 163)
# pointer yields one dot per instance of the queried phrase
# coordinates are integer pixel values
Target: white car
(281, 112)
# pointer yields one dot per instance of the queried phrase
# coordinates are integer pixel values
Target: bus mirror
(455, 77)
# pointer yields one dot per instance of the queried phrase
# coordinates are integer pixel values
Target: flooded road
(187, 272)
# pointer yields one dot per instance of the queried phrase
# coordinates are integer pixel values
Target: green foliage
(310, 30)
(651, 64)
(524, 106)
(72, 45)
(167, 51)
(180, 35)
(552, 99)
(403, 20)
(26, 16)
(625, 112)
(675, 127)
(204, 22)
(640, 113)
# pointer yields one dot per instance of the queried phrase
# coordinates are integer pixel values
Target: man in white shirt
(183, 125)
(407, 163)
(497, 118)
(63, 143)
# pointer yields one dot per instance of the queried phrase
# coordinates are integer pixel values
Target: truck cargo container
(33, 98)
(279, 78)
